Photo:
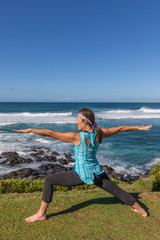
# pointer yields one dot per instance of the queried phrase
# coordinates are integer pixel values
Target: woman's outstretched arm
(110, 131)
(71, 137)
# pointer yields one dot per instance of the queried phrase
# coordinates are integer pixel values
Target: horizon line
(79, 102)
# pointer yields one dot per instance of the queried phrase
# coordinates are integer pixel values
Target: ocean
(128, 153)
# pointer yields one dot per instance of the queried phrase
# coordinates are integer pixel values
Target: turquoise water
(128, 153)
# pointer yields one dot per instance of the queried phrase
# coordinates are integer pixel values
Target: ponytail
(99, 133)
(88, 113)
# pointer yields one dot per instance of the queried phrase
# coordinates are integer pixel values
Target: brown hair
(88, 113)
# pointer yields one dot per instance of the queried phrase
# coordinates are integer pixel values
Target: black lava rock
(18, 160)
(54, 153)
(50, 159)
(62, 161)
(22, 173)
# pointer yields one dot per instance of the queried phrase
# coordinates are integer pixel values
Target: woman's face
(81, 123)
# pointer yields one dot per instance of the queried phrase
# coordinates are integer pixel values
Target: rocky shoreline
(52, 162)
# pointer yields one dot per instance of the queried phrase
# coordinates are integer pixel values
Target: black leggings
(71, 178)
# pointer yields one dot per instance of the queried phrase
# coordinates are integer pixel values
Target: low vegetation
(26, 186)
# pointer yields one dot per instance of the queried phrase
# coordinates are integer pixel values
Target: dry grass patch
(151, 196)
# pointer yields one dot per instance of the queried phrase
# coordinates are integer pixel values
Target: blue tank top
(86, 163)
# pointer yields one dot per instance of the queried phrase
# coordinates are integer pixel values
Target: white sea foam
(156, 160)
(143, 112)
(27, 114)
(26, 117)
(126, 168)
(132, 170)
(41, 140)
(5, 124)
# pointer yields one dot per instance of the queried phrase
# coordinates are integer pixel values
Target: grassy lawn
(89, 214)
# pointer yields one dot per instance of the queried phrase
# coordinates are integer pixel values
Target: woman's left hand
(144, 127)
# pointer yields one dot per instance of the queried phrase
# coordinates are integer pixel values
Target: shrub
(25, 186)
(155, 172)
(156, 182)
(155, 168)
(143, 184)
(152, 183)
(20, 186)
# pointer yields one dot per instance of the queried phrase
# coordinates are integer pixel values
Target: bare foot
(36, 217)
(144, 214)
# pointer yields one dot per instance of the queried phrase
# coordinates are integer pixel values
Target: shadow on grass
(105, 200)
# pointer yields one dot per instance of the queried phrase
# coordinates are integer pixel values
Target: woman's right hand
(144, 127)
(27, 130)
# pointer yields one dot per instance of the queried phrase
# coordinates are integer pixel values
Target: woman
(87, 169)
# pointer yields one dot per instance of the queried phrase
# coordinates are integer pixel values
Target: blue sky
(80, 50)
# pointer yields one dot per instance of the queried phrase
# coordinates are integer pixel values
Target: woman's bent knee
(49, 180)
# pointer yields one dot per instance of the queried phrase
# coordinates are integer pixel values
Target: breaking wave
(26, 117)
(143, 112)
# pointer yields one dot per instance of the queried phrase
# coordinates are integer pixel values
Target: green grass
(89, 214)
